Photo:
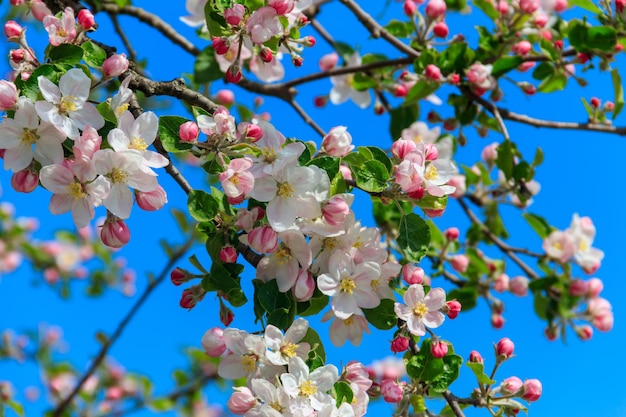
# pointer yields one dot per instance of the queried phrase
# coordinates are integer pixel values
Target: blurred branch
(106, 346)
(454, 405)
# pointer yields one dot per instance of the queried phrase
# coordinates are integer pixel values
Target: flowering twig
(106, 346)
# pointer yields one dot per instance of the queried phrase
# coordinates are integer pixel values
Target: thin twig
(323, 32)
(132, 55)
(306, 118)
(106, 346)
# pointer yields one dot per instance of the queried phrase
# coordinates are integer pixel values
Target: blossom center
(431, 173)
(118, 176)
(417, 138)
(349, 321)
(138, 144)
(375, 283)
(420, 309)
(347, 285)
(282, 255)
(248, 362)
(269, 155)
(289, 350)
(30, 136)
(330, 243)
(307, 388)
(68, 104)
(119, 110)
(285, 190)
(75, 189)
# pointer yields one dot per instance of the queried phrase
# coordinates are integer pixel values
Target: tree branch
(454, 405)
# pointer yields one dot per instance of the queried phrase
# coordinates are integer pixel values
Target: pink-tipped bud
(115, 65)
(412, 274)
(266, 54)
(25, 181)
(522, 47)
(400, 90)
(459, 263)
(151, 200)
(226, 315)
(17, 56)
(432, 213)
(402, 147)
(501, 284)
(213, 342)
(263, 239)
(189, 131)
(505, 348)
(225, 97)
(497, 321)
(221, 45)
(511, 385)
(595, 287)
(241, 401)
(252, 132)
(441, 30)
(345, 172)
(432, 72)
(399, 344)
(584, 332)
(409, 7)
(435, 9)
(297, 60)
(529, 6)
(452, 233)
(16, 2)
(187, 299)
(308, 41)
(228, 254)
(86, 19)
(234, 14)
(233, 74)
(489, 154)
(475, 357)
(115, 234)
(338, 142)
(454, 308)
(578, 288)
(519, 286)
(8, 95)
(551, 333)
(328, 61)
(439, 349)
(620, 5)
(391, 391)
(320, 101)
(454, 79)
(532, 390)
(595, 102)
(431, 152)
(583, 57)
(335, 211)
(178, 276)
(282, 7)
(305, 286)
(13, 30)
(39, 9)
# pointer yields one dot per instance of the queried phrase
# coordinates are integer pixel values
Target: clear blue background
(581, 174)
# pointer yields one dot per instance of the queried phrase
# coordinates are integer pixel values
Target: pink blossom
(282, 7)
(595, 287)
(459, 263)
(115, 233)
(234, 15)
(237, 179)
(432, 72)
(115, 65)
(454, 308)
(399, 344)
(151, 200)
(25, 181)
(61, 30)
(241, 400)
(519, 286)
(328, 61)
(336, 210)
(213, 342)
(263, 25)
(532, 390)
(338, 142)
(391, 391)
(475, 357)
(511, 385)
(501, 283)
(8, 95)
(13, 30)
(262, 239)
(439, 349)
(351, 329)
(412, 274)
(304, 287)
(435, 9)
(228, 254)
(39, 9)
(505, 348)
(86, 19)
(441, 30)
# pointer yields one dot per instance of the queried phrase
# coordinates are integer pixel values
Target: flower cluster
(575, 242)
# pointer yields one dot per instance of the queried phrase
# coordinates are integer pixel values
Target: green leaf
(437, 373)
(206, 67)
(413, 237)
(343, 392)
(93, 55)
(362, 82)
(541, 306)
(278, 305)
(603, 38)
(107, 112)
(538, 223)
(543, 71)
(313, 339)
(456, 58)
(400, 29)
(505, 160)
(313, 306)
(538, 159)
(65, 54)
(30, 87)
(577, 34)
(401, 118)
(382, 317)
(479, 370)
(202, 205)
(161, 404)
(225, 278)
(585, 4)
(556, 82)
(618, 89)
(488, 8)
(381, 156)
(216, 23)
(420, 90)
(326, 163)
(466, 295)
(505, 64)
(372, 176)
(15, 406)
(168, 132)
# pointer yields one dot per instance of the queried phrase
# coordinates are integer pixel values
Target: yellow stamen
(417, 138)
(248, 362)
(119, 110)
(30, 136)
(285, 190)
(138, 144)
(282, 255)
(330, 243)
(307, 388)
(117, 176)
(420, 310)
(76, 191)
(269, 155)
(347, 285)
(348, 321)
(68, 104)
(431, 173)
(289, 350)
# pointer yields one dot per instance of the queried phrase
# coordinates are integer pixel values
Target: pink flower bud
(441, 30)
(432, 72)
(241, 401)
(335, 211)
(532, 390)
(115, 65)
(400, 90)
(86, 19)
(297, 60)
(529, 6)
(13, 30)
(115, 233)
(151, 200)
(345, 172)
(505, 348)
(475, 357)
(251, 131)
(263, 239)
(519, 286)
(228, 254)
(595, 102)
(304, 287)
(435, 9)
(233, 74)
(511, 385)
(17, 55)
(8, 95)
(320, 101)
(595, 287)
(497, 321)
(213, 342)
(282, 7)
(221, 45)
(328, 61)
(584, 332)
(434, 212)
(188, 131)
(178, 276)
(522, 47)
(266, 54)
(25, 181)
(452, 233)
(226, 315)
(459, 263)
(338, 142)
(16, 2)
(402, 147)
(308, 41)
(578, 288)
(501, 284)
(234, 14)
(409, 7)
(187, 299)
(489, 153)
(412, 274)
(225, 97)
(39, 9)
(391, 391)
(551, 333)
(439, 349)
(620, 5)
(431, 152)
(399, 344)
(454, 308)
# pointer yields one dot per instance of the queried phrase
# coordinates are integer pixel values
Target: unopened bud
(115, 233)
(439, 349)
(115, 65)
(86, 19)
(505, 348)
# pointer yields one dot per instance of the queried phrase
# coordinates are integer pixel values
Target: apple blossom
(25, 181)
(399, 344)
(237, 180)
(228, 254)
(241, 400)
(151, 200)
(263, 25)
(8, 95)
(511, 385)
(342, 87)
(338, 142)
(351, 329)
(505, 348)
(285, 263)
(475, 357)
(419, 311)
(115, 233)
(85, 19)
(532, 390)
(213, 342)
(439, 349)
(61, 30)
(391, 391)
(115, 65)
(308, 389)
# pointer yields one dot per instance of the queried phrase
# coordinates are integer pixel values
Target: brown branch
(376, 30)
(454, 405)
(132, 55)
(504, 247)
(106, 346)
(307, 119)
(323, 32)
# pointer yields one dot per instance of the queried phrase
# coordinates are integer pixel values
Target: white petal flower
(419, 311)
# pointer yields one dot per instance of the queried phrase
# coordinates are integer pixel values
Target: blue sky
(580, 175)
